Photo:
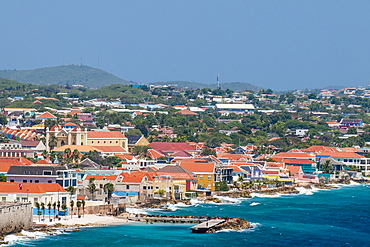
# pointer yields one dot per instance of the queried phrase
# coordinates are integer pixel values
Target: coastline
(66, 224)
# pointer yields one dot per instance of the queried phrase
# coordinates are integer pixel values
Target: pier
(167, 219)
(205, 226)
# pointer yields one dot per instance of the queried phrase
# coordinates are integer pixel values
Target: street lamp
(27, 195)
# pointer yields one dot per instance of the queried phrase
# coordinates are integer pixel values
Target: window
(3, 199)
(37, 181)
(127, 187)
(101, 186)
(47, 172)
(49, 181)
(144, 187)
(209, 177)
(201, 177)
(345, 160)
(12, 180)
(24, 181)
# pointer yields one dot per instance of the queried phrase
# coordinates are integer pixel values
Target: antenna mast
(218, 82)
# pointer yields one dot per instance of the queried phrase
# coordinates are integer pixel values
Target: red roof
(342, 154)
(171, 146)
(187, 112)
(294, 169)
(294, 161)
(8, 187)
(47, 115)
(198, 167)
(6, 163)
(293, 155)
(105, 135)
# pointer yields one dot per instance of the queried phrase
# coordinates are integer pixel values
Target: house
(42, 174)
(99, 181)
(308, 166)
(32, 192)
(254, 170)
(204, 171)
(236, 108)
(136, 141)
(37, 146)
(6, 163)
(182, 179)
(351, 122)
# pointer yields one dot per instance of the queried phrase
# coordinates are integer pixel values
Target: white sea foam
(254, 226)
(263, 195)
(254, 204)
(136, 211)
(304, 191)
(25, 236)
(228, 200)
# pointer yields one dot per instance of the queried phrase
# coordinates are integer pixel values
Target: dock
(167, 219)
(205, 226)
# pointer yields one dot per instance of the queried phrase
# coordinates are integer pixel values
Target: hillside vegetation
(64, 74)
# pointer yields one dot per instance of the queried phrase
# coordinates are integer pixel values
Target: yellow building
(205, 173)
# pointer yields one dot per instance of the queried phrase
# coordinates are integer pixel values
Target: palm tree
(78, 204)
(53, 142)
(53, 156)
(54, 207)
(71, 203)
(49, 209)
(64, 208)
(58, 206)
(60, 158)
(37, 205)
(71, 190)
(45, 154)
(108, 188)
(92, 189)
(75, 155)
(43, 210)
(83, 207)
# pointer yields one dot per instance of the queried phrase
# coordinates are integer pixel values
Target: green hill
(234, 86)
(64, 74)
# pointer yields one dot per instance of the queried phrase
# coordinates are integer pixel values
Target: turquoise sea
(339, 217)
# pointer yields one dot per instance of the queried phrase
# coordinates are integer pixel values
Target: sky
(273, 44)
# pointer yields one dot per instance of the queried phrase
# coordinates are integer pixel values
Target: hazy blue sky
(272, 44)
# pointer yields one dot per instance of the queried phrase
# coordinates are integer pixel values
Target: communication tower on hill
(218, 82)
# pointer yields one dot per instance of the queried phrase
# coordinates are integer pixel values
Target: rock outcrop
(233, 224)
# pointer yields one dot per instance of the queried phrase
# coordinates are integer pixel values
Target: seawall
(15, 217)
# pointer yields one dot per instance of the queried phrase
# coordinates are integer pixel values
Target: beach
(84, 220)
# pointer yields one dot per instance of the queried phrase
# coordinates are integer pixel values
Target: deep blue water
(339, 217)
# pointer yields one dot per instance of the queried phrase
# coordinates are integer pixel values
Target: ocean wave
(25, 236)
(227, 200)
(254, 204)
(136, 211)
(254, 194)
(304, 191)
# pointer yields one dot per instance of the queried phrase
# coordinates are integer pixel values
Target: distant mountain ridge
(64, 74)
(96, 78)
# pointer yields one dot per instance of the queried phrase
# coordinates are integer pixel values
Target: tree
(78, 204)
(64, 208)
(221, 186)
(2, 178)
(133, 132)
(108, 188)
(76, 155)
(58, 206)
(83, 207)
(140, 150)
(71, 190)
(53, 142)
(37, 205)
(71, 204)
(53, 156)
(54, 207)
(327, 167)
(43, 210)
(208, 151)
(49, 208)
(91, 188)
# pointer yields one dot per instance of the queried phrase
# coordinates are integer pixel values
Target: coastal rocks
(212, 200)
(235, 193)
(282, 190)
(232, 224)
(325, 186)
